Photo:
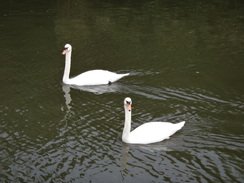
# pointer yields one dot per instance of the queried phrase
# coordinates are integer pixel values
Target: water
(186, 63)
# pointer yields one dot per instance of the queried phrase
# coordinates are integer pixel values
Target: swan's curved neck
(67, 67)
(127, 126)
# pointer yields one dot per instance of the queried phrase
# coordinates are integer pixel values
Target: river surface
(186, 64)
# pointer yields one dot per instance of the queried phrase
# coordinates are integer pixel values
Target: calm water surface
(186, 63)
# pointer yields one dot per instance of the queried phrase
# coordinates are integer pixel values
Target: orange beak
(64, 52)
(128, 106)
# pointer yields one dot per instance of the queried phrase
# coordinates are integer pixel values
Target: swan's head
(67, 48)
(128, 103)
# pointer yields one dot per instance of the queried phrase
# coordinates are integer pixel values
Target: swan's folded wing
(96, 77)
(153, 132)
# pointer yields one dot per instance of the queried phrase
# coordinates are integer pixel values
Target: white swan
(149, 132)
(92, 77)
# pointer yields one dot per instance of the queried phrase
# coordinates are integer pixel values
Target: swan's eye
(128, 102)
(65, 48)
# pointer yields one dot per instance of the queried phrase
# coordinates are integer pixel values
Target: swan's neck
(127, 126)
(67, 67)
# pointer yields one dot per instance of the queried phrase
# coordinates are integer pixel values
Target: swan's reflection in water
(67, 96)
(68, 99)
(99, 89)
(125, 155)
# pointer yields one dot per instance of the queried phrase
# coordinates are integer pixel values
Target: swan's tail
(116, 77)
(180, 124)
(119, 76)
(123, 75)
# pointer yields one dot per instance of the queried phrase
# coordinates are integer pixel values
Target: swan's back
(96, 77)
(153, 132)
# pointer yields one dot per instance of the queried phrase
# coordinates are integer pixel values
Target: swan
(92, 77)
(147, 133)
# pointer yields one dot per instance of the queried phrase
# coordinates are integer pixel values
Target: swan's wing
(97, 77)
(154, 132)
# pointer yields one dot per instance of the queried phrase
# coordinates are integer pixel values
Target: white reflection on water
(125, 156)
(99, 89)
(67, 96)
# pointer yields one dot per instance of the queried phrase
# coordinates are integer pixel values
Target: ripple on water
(84, 142)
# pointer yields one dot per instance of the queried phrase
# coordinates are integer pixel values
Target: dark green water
(186, 63)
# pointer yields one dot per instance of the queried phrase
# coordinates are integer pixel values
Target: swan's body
(149, 132)
(92, 77)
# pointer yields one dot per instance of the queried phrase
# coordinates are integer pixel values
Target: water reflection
(67, 96)
(68, 99)
(99, 89)
(163, 147)
(124, 156)
(155, 147)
